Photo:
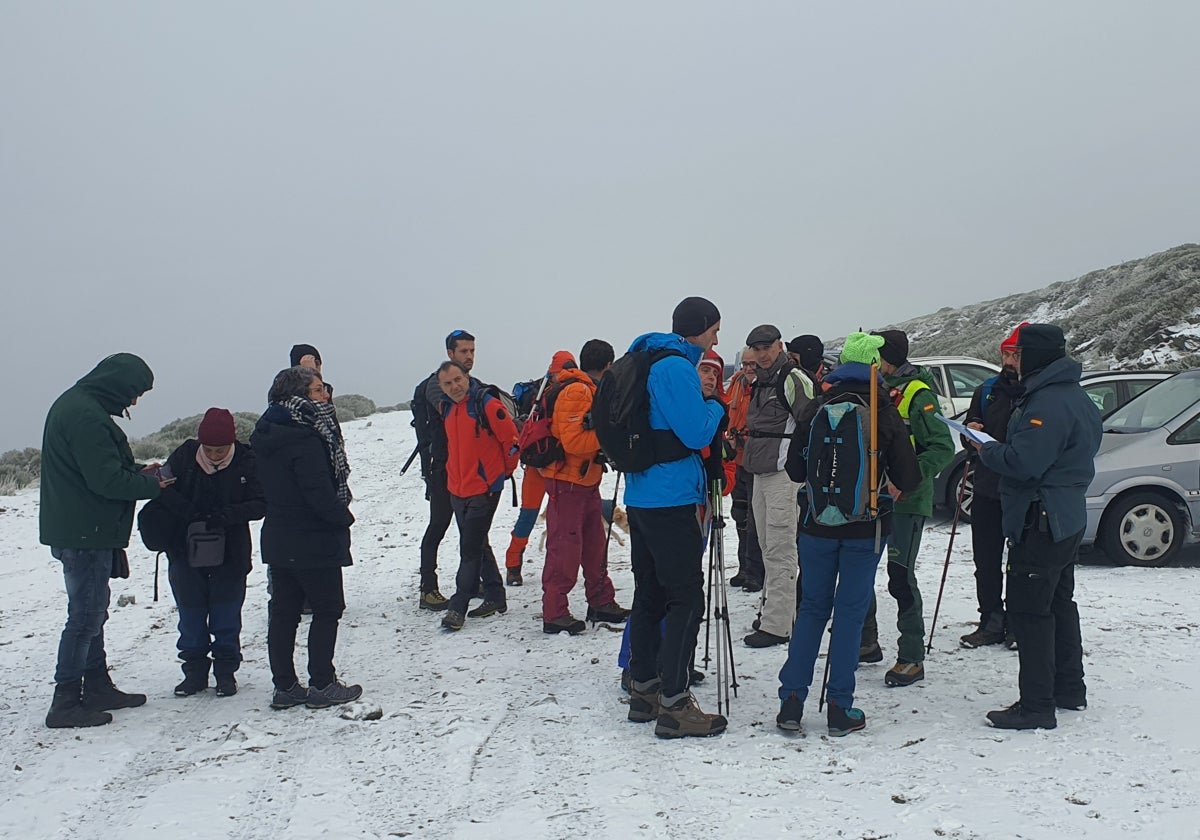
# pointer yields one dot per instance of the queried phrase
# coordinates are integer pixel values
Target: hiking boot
(226, 685)
(981, 638)
(625, 680)
(611, 613)
(192, 684)
(433, 601)
(752, 585)
(791, 709)
(452, 620)
(844, 721)
(904, 673)
(695, 677)
(331, 695)
(512, 577)
(566, 622)
(67, 710)
(100, 694)
(870, 653)
(287, 698)
(488, 608)
(644, 700)
(1010, 639)
(763, 639)
(1017, 716)
(683, 719)
(738, 580)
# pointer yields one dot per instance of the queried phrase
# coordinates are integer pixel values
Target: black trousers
(474, 515)
(749, 552)
(441, 512)
(322, 587)
(987, 546)
(1043, 615)
(666, 552)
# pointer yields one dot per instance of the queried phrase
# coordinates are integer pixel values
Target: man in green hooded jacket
(911, 388)
(89, 484)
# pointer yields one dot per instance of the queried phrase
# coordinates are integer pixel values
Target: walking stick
(725, 662)
(962, 486)
(708, 604)
(825, 679)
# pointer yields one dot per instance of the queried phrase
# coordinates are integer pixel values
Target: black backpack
(430, 429)
(837, 455)
(621, 416)
(524, 395)
(481, 395)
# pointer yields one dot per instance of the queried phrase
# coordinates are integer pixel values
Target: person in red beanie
(991, 406)
(214, 497)
(533, 490)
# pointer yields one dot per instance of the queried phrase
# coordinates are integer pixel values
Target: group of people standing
(810, 563)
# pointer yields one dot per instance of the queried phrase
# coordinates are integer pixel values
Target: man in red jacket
(482, 444)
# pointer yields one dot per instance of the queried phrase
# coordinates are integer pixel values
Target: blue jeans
(81, 648)
(839, 579)
(210, 614)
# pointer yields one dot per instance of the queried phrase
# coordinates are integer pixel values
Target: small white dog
(620, 521)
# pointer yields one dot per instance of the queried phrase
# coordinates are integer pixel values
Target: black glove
(587, 422)
(714, 469)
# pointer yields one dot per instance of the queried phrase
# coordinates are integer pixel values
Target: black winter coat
(307, 526)
(898, 459)
(232, 494)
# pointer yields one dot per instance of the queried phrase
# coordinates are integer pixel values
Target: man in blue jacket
(1045, 467)
(666, 542)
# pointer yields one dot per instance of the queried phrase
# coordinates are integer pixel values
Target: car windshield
(1157, 406)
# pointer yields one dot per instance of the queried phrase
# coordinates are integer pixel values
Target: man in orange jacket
(575, 533)
(482, 447)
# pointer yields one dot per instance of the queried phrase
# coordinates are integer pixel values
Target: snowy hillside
(1136, 315)
(500, 731)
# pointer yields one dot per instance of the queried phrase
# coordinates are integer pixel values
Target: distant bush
(19, 468)
(353, 405)
(400, 406)
(166, 440)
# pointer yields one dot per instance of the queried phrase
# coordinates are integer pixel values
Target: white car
(956, 378)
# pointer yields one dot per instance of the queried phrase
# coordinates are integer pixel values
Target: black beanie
(810, 349)
(302, 350)
(694, 316)
(895, 346)
(1040, 345)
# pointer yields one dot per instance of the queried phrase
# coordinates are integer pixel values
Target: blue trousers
(210, 614)
(839, 579)
(81, 647)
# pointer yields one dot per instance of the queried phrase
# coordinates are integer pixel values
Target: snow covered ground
(501, 731)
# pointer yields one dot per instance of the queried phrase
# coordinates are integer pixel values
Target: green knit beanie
(862, 347)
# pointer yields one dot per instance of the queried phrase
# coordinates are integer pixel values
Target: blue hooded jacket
(676, 403)
(1053, 435)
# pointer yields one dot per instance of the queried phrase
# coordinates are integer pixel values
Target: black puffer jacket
(234, 494)
(306, 525)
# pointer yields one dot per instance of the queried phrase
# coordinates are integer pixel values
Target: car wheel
(960, 475)
(1142, 529)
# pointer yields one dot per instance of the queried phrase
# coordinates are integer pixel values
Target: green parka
(930, 436)
(89, 480)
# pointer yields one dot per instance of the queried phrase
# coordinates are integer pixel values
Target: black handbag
(205, 548)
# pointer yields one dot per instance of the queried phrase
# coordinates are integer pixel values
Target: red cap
(562, 360)
(713, 360)
(217, 429)
(1009, 344)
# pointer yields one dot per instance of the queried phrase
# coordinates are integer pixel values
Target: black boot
(195, 678)
(99, 693)
(67, 710)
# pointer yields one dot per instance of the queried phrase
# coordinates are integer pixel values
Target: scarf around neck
(322, 418)
(211, 467)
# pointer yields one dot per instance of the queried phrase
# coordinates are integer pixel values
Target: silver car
(1144, 502)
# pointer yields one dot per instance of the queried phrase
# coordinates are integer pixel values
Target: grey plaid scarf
(322, 418)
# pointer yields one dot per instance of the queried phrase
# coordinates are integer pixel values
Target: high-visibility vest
(913, 388)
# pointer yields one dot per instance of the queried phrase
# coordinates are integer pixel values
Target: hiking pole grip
(962, 487)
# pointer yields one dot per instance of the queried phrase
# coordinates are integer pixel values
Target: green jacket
(89, 480)
(930, 436)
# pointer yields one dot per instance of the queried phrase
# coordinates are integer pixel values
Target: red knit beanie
(1009, 344)
(217, 429)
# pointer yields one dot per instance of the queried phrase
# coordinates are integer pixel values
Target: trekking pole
(708, 603)
(825, 679)
(411, 458)
(723, 600)
(611, 519)
(157, 555)
(962, 486)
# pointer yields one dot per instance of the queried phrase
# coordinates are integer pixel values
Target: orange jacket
(480, 461)
(739, 406)
(581, 445)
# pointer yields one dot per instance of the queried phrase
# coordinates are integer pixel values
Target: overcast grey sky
(207, 183)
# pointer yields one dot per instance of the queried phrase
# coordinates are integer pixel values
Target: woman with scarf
(214, 496)
(306, 533)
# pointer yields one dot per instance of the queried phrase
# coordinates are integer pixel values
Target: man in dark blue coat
(1045, 467)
